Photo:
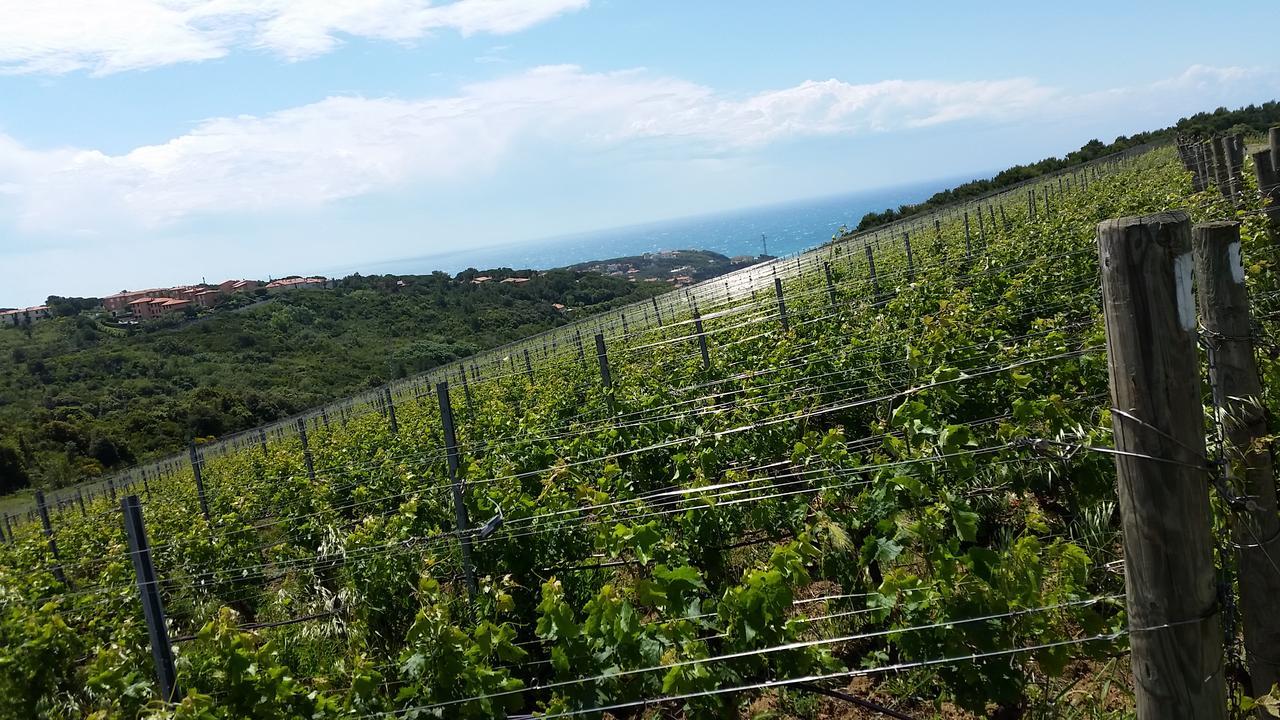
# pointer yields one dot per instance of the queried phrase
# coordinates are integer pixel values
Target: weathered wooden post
(80, 497)
(1221, 174)
(149, 595)
(196, 465)
(53, 543)
(1174, 631)
(1268, 187)
(528, 365)
(831, 286)
(657, 314)
(1237, 391)
(461, 520)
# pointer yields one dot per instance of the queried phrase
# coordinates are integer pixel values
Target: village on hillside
(139, 305)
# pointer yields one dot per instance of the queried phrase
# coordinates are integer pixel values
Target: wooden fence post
(149, 594)
(1237, 391)
(657, 314)
(461, 520)
(831, 286)
(196, 472)
(1175, 635)
(1268, 186)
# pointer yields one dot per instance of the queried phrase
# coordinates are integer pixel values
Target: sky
(155, 142)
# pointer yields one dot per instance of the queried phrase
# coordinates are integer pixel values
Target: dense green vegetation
(80, 395)
(662, 267)
(865, 491)
(1250, 119)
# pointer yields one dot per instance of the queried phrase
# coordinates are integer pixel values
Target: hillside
(1249, 119)
(901, 486)
(79, 395)
(681, 266)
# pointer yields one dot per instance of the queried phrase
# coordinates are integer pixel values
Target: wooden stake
(1224, 311)
(1175, 636)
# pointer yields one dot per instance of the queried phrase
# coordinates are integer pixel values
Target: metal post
(196, 464)
(782, 304)
(455, 482)
(391, 411)
(306, 451)
(605, 378)
(1158, 421)
(149, 594)
(48, 534)
(656, 313)
(911, 266)
(702, 339)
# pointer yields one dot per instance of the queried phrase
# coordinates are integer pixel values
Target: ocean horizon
(788, 228)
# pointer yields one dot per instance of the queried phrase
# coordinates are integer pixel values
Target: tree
(13, 471)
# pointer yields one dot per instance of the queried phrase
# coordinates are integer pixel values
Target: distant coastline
(788, 228)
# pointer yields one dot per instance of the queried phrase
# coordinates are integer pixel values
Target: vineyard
(877, 479)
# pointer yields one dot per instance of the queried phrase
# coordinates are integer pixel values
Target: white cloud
(347, 147)
(344, 147)
(108, 36)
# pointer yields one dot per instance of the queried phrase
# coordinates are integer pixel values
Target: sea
(777, 230)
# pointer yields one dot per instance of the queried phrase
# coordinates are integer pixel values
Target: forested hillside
(79, 395)
(1249, 119)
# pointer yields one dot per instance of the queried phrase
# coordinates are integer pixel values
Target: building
(148, 308)
(24, 316)
(118, 304)
(297, 283)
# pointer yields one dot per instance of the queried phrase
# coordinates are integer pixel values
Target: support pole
(306, 451)
(463, 523)
(911, 263)
(149, 594)
(1237, 391)
(782, 304)
(196, 472)
(391, 413)
(605, 378)
(831, 285)
(702, 339)
(871, 272)
(43, 510)
(1268, 187)
(1174, 631)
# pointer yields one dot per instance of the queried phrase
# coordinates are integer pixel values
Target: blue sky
(154, 142)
